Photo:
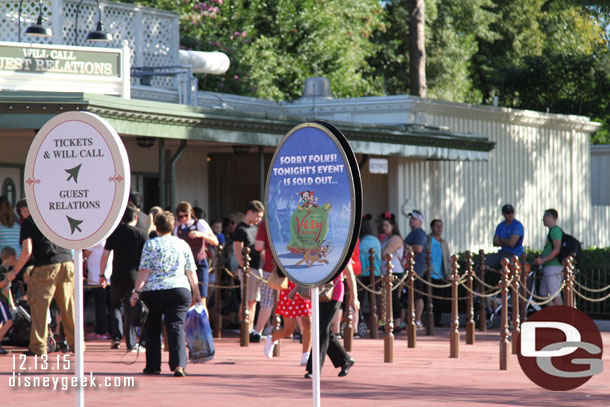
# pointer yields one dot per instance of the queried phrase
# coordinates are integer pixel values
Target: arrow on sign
(73, 173)
(74, 224)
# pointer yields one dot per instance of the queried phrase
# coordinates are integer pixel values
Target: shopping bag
(199, 335)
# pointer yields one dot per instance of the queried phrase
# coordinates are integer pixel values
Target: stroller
(19, 334)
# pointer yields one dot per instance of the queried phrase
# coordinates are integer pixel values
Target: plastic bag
(199, 335)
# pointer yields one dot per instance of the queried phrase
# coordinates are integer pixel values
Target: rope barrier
(464, 277)
(546, 299)
(368, 289)
(399, 283)
(484, 283)
(592, 299)
(484, 295)
(592, 290)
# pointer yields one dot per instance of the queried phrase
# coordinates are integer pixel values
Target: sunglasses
(186, 215)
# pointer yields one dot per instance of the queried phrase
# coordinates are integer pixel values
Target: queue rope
(484, 295)
(592, 290)
(361, 284)
(584, 297)
(477, 278)
(462, 279)
(546, 299)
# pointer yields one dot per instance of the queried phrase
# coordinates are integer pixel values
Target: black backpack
(570, 246)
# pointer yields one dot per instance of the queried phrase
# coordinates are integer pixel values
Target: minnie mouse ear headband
(389, 216)
(367, 216)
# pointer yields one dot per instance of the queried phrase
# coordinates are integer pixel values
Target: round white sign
(77, 179)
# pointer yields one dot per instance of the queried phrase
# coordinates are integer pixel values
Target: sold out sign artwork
(314, 203)
(77, 179)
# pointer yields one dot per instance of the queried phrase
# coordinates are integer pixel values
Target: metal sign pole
(315, 356)
(79, 332)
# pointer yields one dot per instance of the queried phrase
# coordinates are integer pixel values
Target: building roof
(136, 117)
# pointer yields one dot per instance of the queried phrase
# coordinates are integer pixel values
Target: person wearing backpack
(553, 270)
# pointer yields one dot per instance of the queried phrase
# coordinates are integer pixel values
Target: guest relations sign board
(77, 179)
(314, 203)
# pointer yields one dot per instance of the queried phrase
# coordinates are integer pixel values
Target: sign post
(313, 197)
(77, 180)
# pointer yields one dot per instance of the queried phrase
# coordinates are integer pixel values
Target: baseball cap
(416, 214)
(508, 208)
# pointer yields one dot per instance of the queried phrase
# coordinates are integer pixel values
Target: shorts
(551, 281)
(254, 284)
(5, 313)
(419, 288)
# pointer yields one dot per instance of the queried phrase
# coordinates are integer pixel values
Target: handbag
(276, 282)
(325, 292)
(138, 313)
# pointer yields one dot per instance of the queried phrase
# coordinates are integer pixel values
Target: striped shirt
(10, 237)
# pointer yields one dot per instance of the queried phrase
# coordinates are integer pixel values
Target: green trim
(136, 117)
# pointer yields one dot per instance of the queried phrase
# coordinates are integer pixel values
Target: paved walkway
(424, 376)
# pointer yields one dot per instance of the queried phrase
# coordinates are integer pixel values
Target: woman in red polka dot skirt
(291, 306)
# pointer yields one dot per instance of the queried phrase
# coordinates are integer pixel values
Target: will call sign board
(314, 203)
(77, 179)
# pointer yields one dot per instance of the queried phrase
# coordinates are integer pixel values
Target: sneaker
(255, 337)
(115, 345)
(151, 372)
(179, 372)
(4, 351)
(297, 336)
(419, 326)
(269, 346)
(137, 348)
(304, 359)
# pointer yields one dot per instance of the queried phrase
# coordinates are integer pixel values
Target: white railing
(151, 35)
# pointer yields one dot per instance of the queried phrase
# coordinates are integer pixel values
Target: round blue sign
(314, 203)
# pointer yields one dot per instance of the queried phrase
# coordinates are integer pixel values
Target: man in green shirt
(553, 270)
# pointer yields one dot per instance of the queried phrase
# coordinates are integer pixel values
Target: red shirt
(261, 235)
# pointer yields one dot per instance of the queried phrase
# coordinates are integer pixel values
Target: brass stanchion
(568, 291)
(504, 345)
(373, 319)
(515, 269)
(217, 296)
(482, 302)
(388, 340)
(429, 316)
(454, 335)
(244, 334)
(470, 325)
(411, 326)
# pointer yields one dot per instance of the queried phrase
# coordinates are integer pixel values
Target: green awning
(144, 118)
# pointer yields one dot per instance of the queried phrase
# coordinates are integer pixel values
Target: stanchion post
(515, 268)
(411, 326)
(504, 345)
(277, 325)
(470, 325)
(217, 295)
(245, 314)
(525, 270)
(568, 290)
(373, 319)
(429, 315)
(454, 335)
(348, 331)
(388, 340)
(482, 302)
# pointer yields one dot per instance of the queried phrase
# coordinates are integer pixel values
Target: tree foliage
(531, 54)
(274, 45)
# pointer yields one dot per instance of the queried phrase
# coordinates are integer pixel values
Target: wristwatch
(136, 291)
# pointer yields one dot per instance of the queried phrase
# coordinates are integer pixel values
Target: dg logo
(560, 348)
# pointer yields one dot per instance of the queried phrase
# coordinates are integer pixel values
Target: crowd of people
(166, 260)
